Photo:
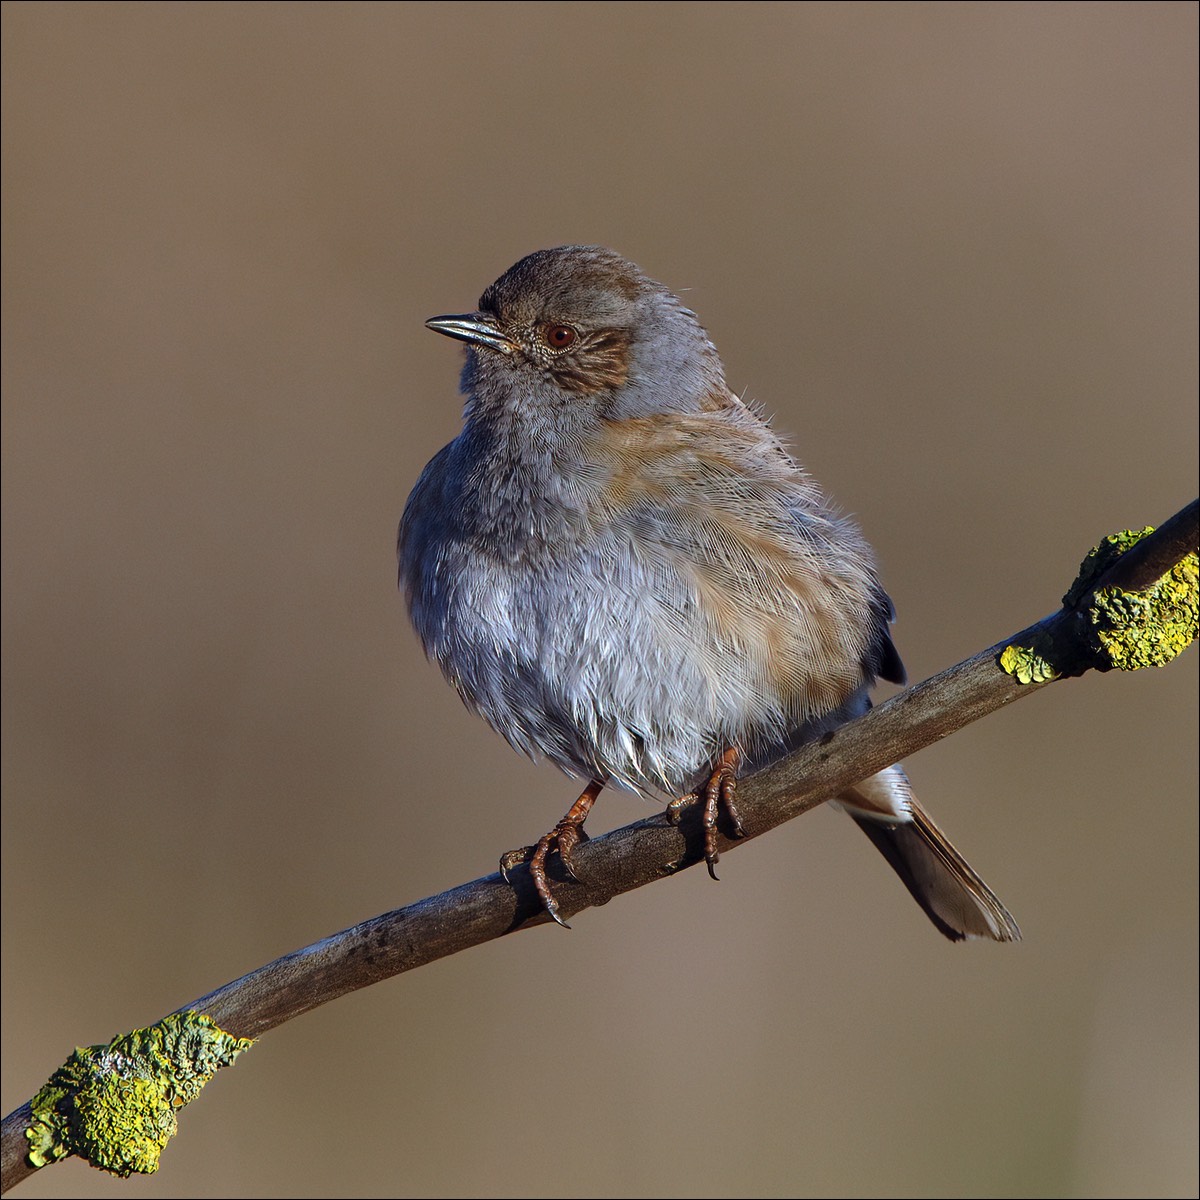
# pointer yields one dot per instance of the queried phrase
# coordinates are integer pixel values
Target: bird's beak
(475, 328)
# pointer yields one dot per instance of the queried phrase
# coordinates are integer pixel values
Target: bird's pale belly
(617, 678)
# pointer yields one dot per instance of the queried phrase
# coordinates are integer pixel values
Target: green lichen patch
(1026, 665)
(1125, 630)
(1099, 559)
(1131, 630)
(114, 1105)
(1148, 629)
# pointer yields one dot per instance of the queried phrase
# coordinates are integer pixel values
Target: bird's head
(580, 329)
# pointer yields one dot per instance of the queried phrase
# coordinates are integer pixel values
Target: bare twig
(649, 849)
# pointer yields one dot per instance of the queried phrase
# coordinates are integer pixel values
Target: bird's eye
(559, 337)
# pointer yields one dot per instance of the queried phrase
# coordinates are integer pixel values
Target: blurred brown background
(951, 247)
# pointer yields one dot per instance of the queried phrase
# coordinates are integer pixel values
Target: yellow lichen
(1026, 665)
(1150, 628)
(114, 1105)
(1126, 630)
(1099, 558)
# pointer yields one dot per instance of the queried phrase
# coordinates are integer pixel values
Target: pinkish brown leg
(565, 836)
(720, 790)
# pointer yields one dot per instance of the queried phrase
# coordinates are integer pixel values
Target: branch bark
(648, 849)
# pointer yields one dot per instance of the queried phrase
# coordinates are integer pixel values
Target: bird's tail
(941, 881)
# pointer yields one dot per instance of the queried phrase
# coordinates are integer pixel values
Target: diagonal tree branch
(652, 848)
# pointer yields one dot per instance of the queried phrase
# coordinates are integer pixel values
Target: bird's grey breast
(500, 562)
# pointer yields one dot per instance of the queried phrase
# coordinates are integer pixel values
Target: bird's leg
(566, 835)
(720, 790)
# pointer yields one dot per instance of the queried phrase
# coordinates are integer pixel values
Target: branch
(1078, 637)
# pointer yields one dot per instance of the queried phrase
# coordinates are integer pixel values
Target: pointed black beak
(478, 329)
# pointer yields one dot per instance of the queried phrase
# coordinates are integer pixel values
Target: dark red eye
(559, 337)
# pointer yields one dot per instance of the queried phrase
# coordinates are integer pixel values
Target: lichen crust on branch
(1032, 663)
(1131, 630)
(1126, 630)
(115, 1105)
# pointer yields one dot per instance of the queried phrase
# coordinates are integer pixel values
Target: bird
(619, 565)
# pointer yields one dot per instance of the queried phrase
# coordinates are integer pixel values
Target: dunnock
(621, 569)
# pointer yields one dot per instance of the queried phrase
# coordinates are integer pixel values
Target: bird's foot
(718, 793)
(564, 837)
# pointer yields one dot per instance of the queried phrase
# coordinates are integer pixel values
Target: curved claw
(552, 909)
(512, 859)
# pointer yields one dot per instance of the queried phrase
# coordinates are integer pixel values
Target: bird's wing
(763, 569)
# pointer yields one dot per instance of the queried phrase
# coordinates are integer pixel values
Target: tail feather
(941, 881)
